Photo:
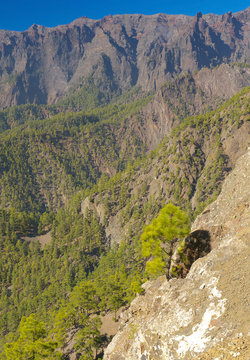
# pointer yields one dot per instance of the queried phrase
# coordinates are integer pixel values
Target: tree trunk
(169, 260)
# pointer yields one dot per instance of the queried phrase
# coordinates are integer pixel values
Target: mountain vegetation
(105, 159)
(45, 161)
(159, 237)
(82, 271)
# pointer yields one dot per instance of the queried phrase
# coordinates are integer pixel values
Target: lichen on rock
(203, 316)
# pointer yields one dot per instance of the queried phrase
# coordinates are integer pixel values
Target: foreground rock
(205, 315)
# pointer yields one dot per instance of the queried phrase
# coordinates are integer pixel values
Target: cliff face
(203, 316)
(184, 96)
(118, 52)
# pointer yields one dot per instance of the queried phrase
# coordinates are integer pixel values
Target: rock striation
(118, 52)
(187, 95)
(203, 316)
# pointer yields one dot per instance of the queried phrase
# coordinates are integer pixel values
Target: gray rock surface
(203, 316)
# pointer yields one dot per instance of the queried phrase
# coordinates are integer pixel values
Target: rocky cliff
(186, 95)
(116, 52)
(203, 316)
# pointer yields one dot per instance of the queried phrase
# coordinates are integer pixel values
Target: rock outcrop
(40, 64)
(203, 316)
(187, 95)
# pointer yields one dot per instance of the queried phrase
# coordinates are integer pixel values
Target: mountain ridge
(40, 65)
(78, 19)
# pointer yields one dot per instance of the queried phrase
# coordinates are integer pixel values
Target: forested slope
(49, 152)
(186, 169)
(44, 162)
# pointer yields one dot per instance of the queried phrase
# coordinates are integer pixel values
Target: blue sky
(21, 14)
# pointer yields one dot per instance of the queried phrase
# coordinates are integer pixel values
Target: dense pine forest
(63, 287)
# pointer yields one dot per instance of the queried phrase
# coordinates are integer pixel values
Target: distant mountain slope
(185, 95)
(42, 163)
(45, 158)
(117, 52)
(187, 169)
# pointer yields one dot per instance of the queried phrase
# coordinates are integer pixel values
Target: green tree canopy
(89, 338)
(32, 342)
(159, 237)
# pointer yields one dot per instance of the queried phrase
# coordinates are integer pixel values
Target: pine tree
(32, 342)
(159, 237)
(89, 338)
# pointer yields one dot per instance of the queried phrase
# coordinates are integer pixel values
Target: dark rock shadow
(197, 245)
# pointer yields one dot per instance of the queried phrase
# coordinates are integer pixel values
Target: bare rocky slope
(189, 94)
(203, 316)
(117, 52)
